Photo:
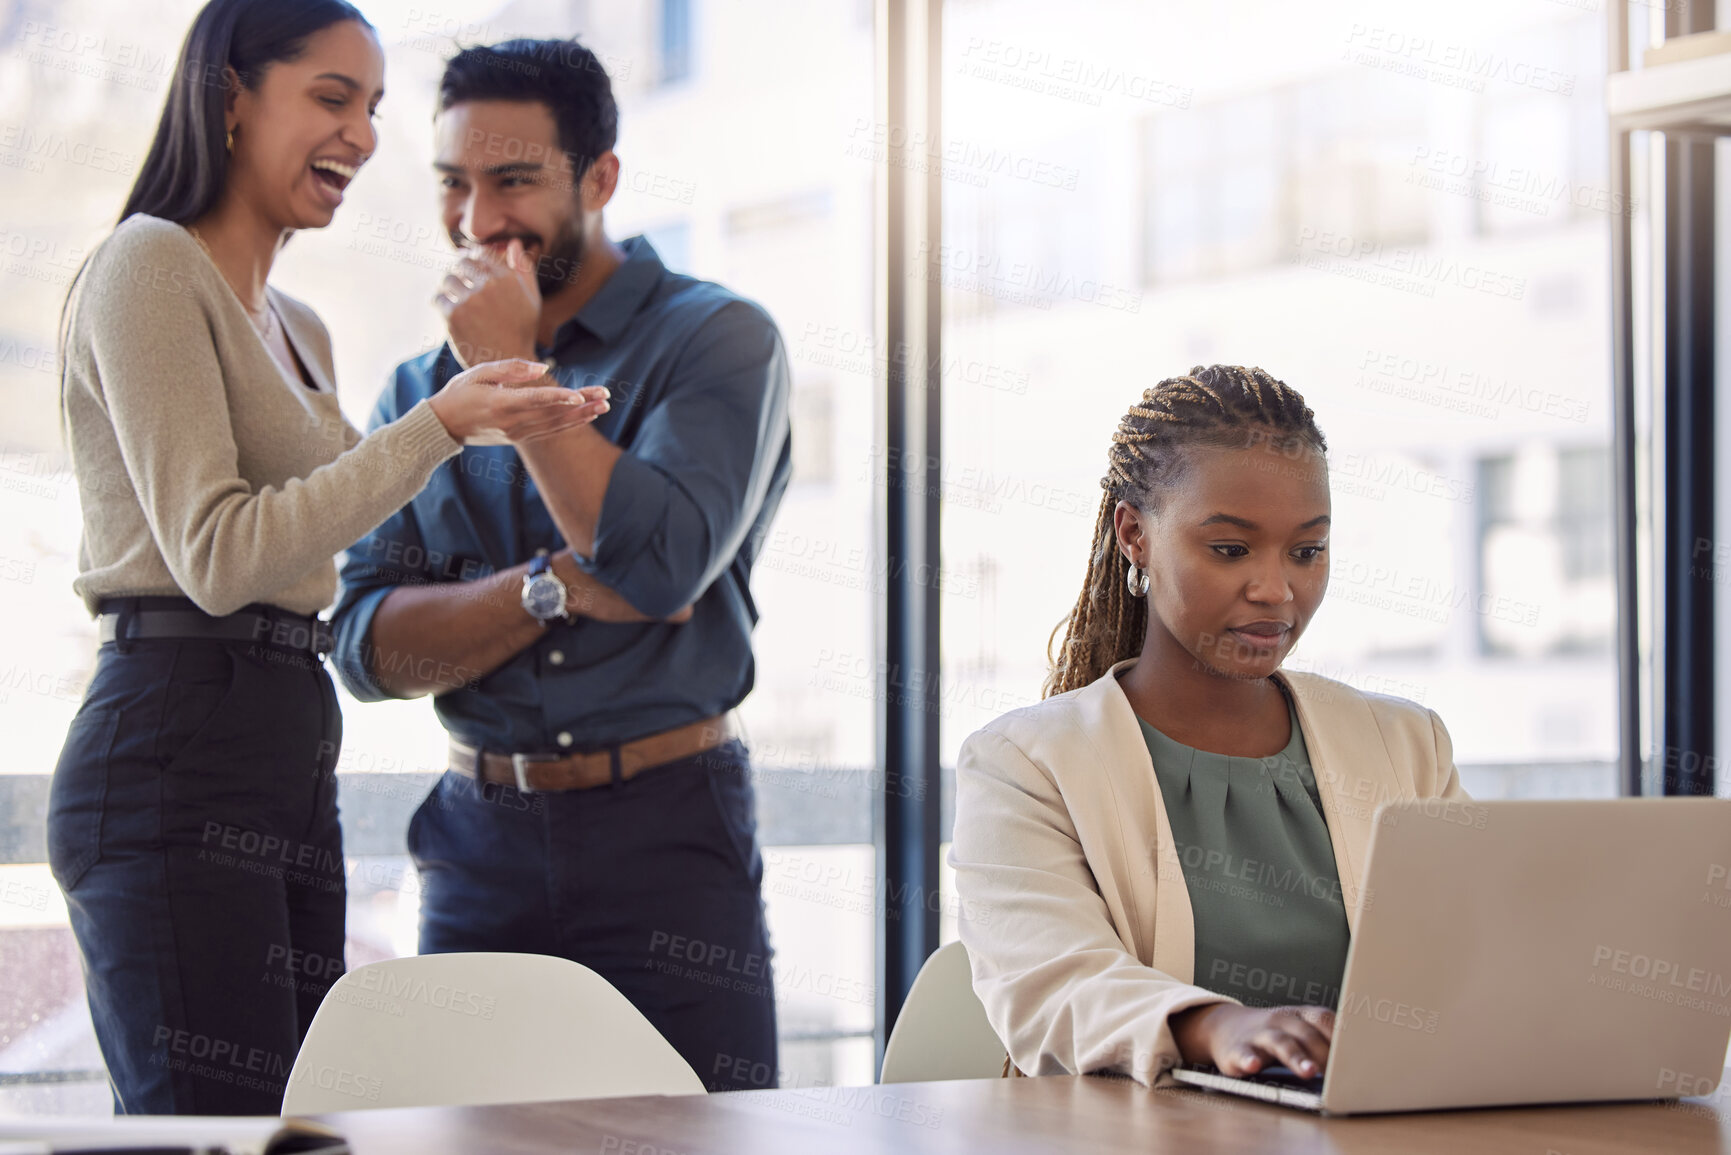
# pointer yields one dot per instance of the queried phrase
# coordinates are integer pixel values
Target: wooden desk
(1010, 1116)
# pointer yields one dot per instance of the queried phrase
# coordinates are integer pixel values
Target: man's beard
(559, 261)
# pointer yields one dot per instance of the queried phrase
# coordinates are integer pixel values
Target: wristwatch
(543, 592)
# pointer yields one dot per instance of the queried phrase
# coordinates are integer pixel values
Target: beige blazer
(1073, 904)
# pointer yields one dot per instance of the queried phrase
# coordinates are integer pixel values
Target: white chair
(462, 1029)
(942, 1032)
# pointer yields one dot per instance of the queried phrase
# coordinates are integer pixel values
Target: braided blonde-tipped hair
(1218, 405)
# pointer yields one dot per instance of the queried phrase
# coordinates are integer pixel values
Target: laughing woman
(192, 819)
(1172, 843)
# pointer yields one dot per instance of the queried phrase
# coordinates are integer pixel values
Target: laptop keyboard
(1273, 1084)
(1285, 1077)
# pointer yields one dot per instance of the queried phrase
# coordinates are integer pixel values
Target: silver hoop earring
(1137, 580)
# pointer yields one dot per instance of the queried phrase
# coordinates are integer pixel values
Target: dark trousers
(654, 883)
(192, 823)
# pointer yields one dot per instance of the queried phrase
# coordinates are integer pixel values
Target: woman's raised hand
(1241, 1041)
(511, 402)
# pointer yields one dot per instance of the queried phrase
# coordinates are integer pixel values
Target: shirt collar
(620, 296)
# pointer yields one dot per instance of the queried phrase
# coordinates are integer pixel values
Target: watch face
(544, 596)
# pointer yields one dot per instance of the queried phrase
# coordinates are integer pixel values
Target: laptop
(1524, 952)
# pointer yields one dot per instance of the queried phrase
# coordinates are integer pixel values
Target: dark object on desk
(173, 1135)
(293, 1146)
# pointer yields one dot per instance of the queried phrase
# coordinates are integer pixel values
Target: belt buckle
(520, 764)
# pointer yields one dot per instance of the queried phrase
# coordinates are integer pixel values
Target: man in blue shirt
(580, 608)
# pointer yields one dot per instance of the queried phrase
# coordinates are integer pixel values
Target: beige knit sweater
(202, 470)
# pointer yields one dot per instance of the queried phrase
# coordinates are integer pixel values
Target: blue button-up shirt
(699, 384)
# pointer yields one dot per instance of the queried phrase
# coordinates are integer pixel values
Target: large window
(1416, 240)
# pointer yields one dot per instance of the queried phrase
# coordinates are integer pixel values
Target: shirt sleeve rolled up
(683, 497)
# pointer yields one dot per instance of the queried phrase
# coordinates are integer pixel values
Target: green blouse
(1253, 842)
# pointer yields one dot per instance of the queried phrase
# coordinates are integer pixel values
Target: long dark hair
(1220, 405)
(187, 166)
(183, 175)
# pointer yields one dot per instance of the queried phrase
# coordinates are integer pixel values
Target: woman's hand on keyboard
(1241, 1041)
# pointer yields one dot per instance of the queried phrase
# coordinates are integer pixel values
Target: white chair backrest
(461, 1029)
(942, 1032)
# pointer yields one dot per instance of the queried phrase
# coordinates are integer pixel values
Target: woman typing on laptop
(1172, 843)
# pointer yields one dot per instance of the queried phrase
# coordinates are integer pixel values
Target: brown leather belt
(540, 772)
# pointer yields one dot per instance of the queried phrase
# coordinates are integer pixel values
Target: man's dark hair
(562, 74)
